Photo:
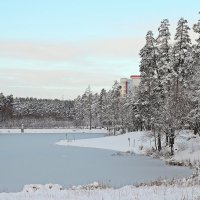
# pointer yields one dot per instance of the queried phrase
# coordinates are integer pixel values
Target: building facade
(130, 85)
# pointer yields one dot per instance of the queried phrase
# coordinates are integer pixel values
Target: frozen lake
(34, 158)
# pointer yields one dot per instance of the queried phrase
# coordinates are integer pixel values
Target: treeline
(168, 97)
(33, 112)
(107, 110)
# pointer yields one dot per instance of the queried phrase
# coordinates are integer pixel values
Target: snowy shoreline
(56, 130)
(115, 143)
(156, 191)
(187, 147)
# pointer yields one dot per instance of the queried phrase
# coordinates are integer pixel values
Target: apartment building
(129, 85)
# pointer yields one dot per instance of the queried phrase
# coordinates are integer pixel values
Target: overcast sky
(56, 48)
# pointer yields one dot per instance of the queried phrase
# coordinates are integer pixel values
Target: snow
(173, 192)
(187, 146)
(116, 143)
(58, 130)
(38, 187)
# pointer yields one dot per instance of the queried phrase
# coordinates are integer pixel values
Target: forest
(35, 113)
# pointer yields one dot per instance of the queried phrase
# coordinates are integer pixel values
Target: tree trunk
(154, 133)
(195, 130)
(159, 141)
(141, 127)
(166, 139)
(171, 141)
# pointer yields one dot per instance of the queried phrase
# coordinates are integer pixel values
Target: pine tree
(193, 117)
(114, 107)
(94, 110)
(194, 85)
(87, 107)
(180, 63)
(6, 106)
(148, 67)
(131, 114)
(163, 46)
(101, 105)
(196, 29)
(161, 81)
(78, 112)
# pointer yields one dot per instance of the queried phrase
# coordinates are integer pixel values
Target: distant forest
(35, 113)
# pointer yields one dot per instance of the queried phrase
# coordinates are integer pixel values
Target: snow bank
(162, 192)
(62, 130)
(38, 187)
(187, 148)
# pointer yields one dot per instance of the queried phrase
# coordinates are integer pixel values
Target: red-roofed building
(135, 76)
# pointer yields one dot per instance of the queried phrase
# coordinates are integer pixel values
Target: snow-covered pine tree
(181, 53)
(94, 110)
(101, 106)
(148, 68)
(196, 29)
(6, 106)
(161, 81)
(123, 114)
(193, 117)
(78, 112)
(2, 102)
(131, 118)
(180, 63)
(87, 107)
(163, 47)
(107, 114)
(114, 107)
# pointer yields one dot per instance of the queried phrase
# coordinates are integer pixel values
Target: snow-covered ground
(55, 192)
(116, 143)
(58, 130)
(187, 148)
